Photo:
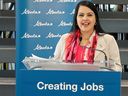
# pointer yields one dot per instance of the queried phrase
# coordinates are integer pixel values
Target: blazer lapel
(101, 44)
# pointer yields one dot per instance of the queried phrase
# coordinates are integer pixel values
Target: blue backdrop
(40, 24)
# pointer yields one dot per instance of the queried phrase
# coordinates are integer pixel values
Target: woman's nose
(85, 17)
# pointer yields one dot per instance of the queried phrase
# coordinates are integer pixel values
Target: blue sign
(68, 83)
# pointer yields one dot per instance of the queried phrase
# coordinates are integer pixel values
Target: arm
(114, 54)
(60, 48)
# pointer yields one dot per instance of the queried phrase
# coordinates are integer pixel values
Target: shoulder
(107, 37)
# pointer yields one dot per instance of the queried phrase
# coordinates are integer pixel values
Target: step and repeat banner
(39, 26)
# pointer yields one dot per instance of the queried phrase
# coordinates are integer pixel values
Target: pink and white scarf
(75, 53)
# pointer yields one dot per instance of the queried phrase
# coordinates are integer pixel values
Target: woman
(87, 41)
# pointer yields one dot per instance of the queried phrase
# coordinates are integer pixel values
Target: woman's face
(86, 19)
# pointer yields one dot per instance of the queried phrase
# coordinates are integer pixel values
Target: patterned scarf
(75, 53)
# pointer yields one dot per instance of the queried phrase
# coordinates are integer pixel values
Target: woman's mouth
(85, 24)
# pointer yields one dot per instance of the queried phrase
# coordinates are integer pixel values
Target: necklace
(84, 42)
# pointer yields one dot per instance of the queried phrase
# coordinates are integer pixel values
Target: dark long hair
(90, 5)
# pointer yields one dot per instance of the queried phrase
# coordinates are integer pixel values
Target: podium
(45, 77)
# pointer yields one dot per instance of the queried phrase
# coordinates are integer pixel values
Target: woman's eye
(81, 15)
(90, 14)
